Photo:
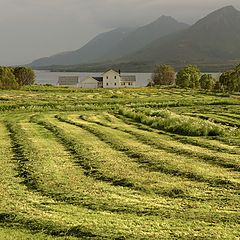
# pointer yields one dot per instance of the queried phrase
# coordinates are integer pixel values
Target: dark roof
(99, 79)
(68, 80)
(128, 78)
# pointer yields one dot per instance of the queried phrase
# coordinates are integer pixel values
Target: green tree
(217, 86)
(229, 81)
(207, 81)
(163, 75)
(7, 79)
(188, 77)
(24, 75)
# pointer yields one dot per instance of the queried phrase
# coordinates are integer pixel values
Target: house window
(107, 84)
(115, 84)
(107, 77)
(115, 77)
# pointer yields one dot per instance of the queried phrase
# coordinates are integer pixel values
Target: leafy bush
(7, 79)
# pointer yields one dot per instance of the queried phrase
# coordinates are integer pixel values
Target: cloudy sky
(30, 29)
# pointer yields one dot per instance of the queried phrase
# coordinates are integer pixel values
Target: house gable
(110, 72)
(90, 82)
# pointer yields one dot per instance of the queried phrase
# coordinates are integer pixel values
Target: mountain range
(213, 39)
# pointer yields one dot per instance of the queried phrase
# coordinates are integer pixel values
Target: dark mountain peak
(222, 13)
(223, 18)
(227, 9)
(165, 19)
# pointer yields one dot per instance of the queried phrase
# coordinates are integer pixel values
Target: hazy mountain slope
(213, 38)
(94, 49)
(115, 44)
(144, 35)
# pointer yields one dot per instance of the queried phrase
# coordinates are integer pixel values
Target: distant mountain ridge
(115, 44)
(215, 37)
(145, 35)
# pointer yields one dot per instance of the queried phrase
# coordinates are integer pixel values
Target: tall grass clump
(175, 123)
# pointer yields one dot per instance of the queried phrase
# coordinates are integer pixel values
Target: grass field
(119, 164)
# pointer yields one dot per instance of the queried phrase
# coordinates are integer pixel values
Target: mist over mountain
(216, 37)
(93, 50)
(115, 44)
(145, 35)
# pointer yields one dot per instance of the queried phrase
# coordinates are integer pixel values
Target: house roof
(111, 71)
(128, 78)
(68, 80)
(99, 79)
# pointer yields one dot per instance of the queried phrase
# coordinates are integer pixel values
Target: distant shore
(137, 67)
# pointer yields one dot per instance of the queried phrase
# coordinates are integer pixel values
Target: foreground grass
(72, 167)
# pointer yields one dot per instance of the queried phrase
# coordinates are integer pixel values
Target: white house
(110, 79)
(68, 81)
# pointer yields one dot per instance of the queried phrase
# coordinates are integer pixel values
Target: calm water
(46, 77)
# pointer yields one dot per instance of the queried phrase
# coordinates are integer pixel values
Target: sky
(30, 29)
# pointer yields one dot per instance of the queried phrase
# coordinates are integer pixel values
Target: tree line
(15, 77)
(191, 77)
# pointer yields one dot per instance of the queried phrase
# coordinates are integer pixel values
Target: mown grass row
(24, 210)
(119, 169)
(175, 192)
(167, 143)
(180, 218)
(68, 183)
(36, 214)
(156, 160)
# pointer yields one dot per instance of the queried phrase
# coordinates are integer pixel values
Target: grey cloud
(32, 28)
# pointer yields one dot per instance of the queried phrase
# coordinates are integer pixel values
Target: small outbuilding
(92, 82)
(68, 81)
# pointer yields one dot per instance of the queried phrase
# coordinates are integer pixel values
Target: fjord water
(46, 77)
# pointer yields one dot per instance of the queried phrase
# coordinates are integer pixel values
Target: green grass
(174, 123)
(75, 167)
